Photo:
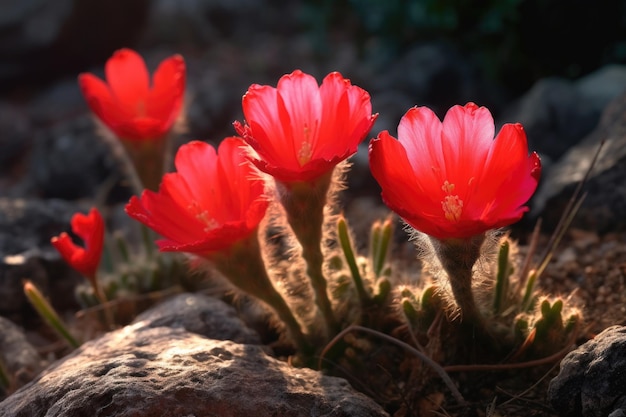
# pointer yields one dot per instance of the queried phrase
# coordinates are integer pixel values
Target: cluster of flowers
(450, 179)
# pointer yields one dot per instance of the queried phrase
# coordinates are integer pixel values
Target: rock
(14, 143)
(592, 379)
(164, 371)
(41, 40)
(19, 357)
(603, 85)
(555, 116)
(13, 270)
(58, 154)
(557, 113)
(52, 147)
(604, 208)
(199, 314)
(70, 161)
(26, 226)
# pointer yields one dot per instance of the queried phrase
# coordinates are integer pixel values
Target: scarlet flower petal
(165, 99)
(404, 194)
(99, 98)
(266, 113)
(128, 78)
(214, 200)
(466, 137)
(451, 179)
(421, 122)
(90, 228)
(128, 104)
(300, 130)
(347, 113)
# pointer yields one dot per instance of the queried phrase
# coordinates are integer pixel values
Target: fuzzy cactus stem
(47, 312)
(380, 238)
(243, 266)
(304, 204)
(148, 158)
(348, 251)
(457, 257)
(502, 277)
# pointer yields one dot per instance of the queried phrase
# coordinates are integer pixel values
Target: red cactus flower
(452, 179)
(90, 228)
(301, 130)
(129, 103)
(213, 200)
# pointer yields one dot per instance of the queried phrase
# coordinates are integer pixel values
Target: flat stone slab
(163, 371)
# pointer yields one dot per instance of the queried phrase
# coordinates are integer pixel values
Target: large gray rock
(592, 379)
(20, 359)
(604, 208)
(199, 314)
(170, 372)
(603, 85)
(557, 113)
(554, 116)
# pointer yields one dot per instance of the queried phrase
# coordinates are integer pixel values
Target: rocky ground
(53, 163)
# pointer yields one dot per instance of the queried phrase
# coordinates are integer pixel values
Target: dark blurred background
(556, 66)
(553, 65)
(511, 42)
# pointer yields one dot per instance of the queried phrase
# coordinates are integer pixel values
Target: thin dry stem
(527, 390)
(508, 366)
(526, 267)
(573, 205)
(104, 302)
(428, 361)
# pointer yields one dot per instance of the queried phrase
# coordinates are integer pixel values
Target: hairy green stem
(47, 312)
(502, 277)
(380, 239)
(243, 266)
(457, 257)
(346, 247)
(148, 160)
(104, 302)
(304, 204)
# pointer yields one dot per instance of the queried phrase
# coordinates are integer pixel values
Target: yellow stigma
(203, 216)
(306, 151)
(447, 187)
(452, 205)
(208, 221)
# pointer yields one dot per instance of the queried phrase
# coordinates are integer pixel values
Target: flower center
(452, 205)
(306, 151)
(203, 216)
